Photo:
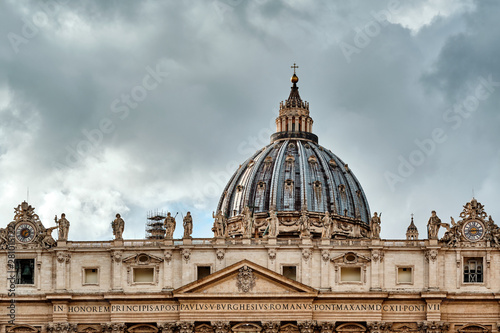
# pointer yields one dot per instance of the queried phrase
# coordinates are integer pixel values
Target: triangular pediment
(245, 279)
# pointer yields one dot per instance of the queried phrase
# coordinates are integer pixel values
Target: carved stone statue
(452, 235)
(304, 225)
(188, 225)
(375, 225)
(273, 223)
(47, 240)
(118, 226)
(327, 226)
(219, 222)
(247, 222)
(433, 226)
(4, 240)
(169, 225)
(63, 224)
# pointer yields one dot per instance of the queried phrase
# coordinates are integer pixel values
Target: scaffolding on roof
(154, 225)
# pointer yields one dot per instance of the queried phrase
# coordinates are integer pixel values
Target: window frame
(465, 260)
(84, 283)
(282, 267)
(33, 272)
(203, 265)
(412, 272)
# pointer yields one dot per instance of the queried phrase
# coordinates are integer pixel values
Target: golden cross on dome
(294, 67)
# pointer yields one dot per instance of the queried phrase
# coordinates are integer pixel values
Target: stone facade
(274, 285)
(312, 264)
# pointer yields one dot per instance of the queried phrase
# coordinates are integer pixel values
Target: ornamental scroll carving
(431, 255)
(245, 281)
(326, 327)
(113, 327)
(435, 327)
(186, 255)
(220, 253)
(378, 327)
(61, 328)
(306, 326)
(167, 327)
(272, 254)
(221, 326)
(185, 326)
(271, 326)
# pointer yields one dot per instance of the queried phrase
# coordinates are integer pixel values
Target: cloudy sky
(131, 106)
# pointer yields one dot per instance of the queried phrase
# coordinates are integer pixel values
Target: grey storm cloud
(130, 106)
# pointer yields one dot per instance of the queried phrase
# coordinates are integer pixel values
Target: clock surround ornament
(474, 227)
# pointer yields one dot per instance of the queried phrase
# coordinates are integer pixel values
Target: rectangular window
(290, 272)
(405, 275)
(473, 270)
(25, 271)
(203, 271)
(144, 275)
(350, 274)
(91, 276)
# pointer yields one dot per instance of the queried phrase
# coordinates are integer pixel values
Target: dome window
(307, 146)
(312, 159)
(261, 185)
(342, 188)
(239, 188)
(333, 164)
(268, 160)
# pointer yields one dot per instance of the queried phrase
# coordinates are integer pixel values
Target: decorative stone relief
(116, 256)
(113, 327)
(204, 328)
(245, 280)
(378, 327)
(168, 256)
(306, 326)
(377, 255)
(431, 255)
(272, 254)
(166, 327)
(186, 254)
(325, 255)
(185, 326)
(220, 254)
(221, 326)
(271, 326)
(63, 257)
(326, 327)
(435, 326)
(61, 327)
(306, 254)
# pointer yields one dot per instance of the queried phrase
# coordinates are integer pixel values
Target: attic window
(290, 272)
(203, 271)
(91, 276)
(350, 274)
(144, 275)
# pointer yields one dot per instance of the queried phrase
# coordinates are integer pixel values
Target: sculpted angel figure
(47, 239)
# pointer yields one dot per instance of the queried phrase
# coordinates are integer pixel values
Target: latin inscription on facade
(236, 307)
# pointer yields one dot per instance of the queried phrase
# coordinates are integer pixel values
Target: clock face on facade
(25, 232)
(473, 230)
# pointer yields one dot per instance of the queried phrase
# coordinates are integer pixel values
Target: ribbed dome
(294, 177)
(287, 175)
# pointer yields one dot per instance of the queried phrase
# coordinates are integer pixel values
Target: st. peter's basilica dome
(294, 179)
